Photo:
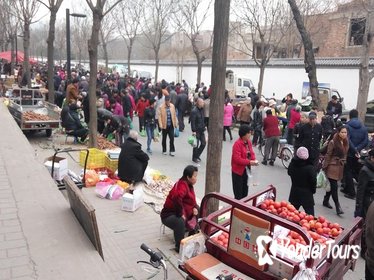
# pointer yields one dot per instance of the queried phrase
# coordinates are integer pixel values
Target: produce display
(318, 228)
(161, 187)
(104, 144)
(221, 239)
(32, 116)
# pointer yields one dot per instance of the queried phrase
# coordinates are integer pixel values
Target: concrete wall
(278, 80)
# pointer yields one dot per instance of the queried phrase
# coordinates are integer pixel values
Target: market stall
(262, 238)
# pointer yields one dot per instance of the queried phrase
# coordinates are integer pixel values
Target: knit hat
(302, 153)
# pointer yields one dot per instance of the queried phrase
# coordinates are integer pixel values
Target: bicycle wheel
(286, 155)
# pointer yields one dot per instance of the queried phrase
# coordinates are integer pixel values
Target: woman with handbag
(180, 209)
(333, 166)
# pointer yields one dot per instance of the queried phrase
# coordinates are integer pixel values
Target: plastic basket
(96, 158)
(111, 164)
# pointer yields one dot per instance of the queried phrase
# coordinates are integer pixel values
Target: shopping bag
(176, 132)
(130, 123)
(305, 273)
(192, 141)
(323, 181)
(142, 133)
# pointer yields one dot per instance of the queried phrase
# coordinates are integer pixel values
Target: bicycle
(155, 261)
(285, 151)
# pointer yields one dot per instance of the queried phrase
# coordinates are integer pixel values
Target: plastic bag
(323, 181)
(176, 132)
(192, 141)
(305, 273)
(108, 191)
(91, 178)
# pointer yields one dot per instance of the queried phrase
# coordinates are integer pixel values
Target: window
(239, 82)
(357, 32)
(247, 84)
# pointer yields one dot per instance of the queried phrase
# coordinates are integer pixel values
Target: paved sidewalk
(39, 235)
(15, 259)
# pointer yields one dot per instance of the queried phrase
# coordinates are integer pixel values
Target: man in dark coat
(132, 161)
(310, 135)
(334, 108)
(369, 258)
(71, 122)
(198, 128)
(181, 106)
(358, 140)
(303, 176)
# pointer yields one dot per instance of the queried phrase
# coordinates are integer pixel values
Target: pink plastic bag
(108, 191)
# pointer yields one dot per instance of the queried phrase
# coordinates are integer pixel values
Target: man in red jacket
(272, 133)
(140, 108)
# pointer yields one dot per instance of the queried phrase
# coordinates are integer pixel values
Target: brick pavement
(15, 258)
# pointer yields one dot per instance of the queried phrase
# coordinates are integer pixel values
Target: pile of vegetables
(104, 144)
(32, 116)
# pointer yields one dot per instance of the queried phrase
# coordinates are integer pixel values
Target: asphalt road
(173, 167)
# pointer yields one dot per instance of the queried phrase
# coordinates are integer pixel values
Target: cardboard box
(60, 168)
(191, 246)
(131, 202)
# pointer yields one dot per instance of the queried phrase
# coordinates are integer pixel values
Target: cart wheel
(286, 156)
(48, 132)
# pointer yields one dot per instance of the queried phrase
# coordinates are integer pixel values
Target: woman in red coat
(180, 208)
(242, 158)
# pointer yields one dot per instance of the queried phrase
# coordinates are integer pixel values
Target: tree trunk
(199, 67)
(50, 43)
(13, 57)
(157, 59)
(219, 59)
(365, 75)
(93, 43)
(261, 79)
(106, 58)
(309, 61)
(129, 51)
(26, 50)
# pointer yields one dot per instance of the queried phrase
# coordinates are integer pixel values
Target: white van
(237, 86)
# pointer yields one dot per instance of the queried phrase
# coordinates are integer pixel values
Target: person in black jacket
(132, 161)
(304, 180)
(365, 192)
(181, 105)
(310, 135)
(198, 128)
(334, 108)
(117, 125)
(150, 123)
(71, 122)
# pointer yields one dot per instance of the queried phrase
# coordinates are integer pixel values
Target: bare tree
(157, 14)
(107, 35)
(10, 26)
(312, 12)
(365, 73)
(309, 60)
(80, 33)
(190, 19)
(53, 6)
(267, 24)
(128, 17)
(219, 58)
(61, 40)
(98, 13)
(26, 11)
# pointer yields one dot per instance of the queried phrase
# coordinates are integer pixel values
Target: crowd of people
(319, 142)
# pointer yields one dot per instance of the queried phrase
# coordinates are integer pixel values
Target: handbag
(191, 224)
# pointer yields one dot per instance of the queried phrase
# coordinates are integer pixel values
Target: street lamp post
(68, 53)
